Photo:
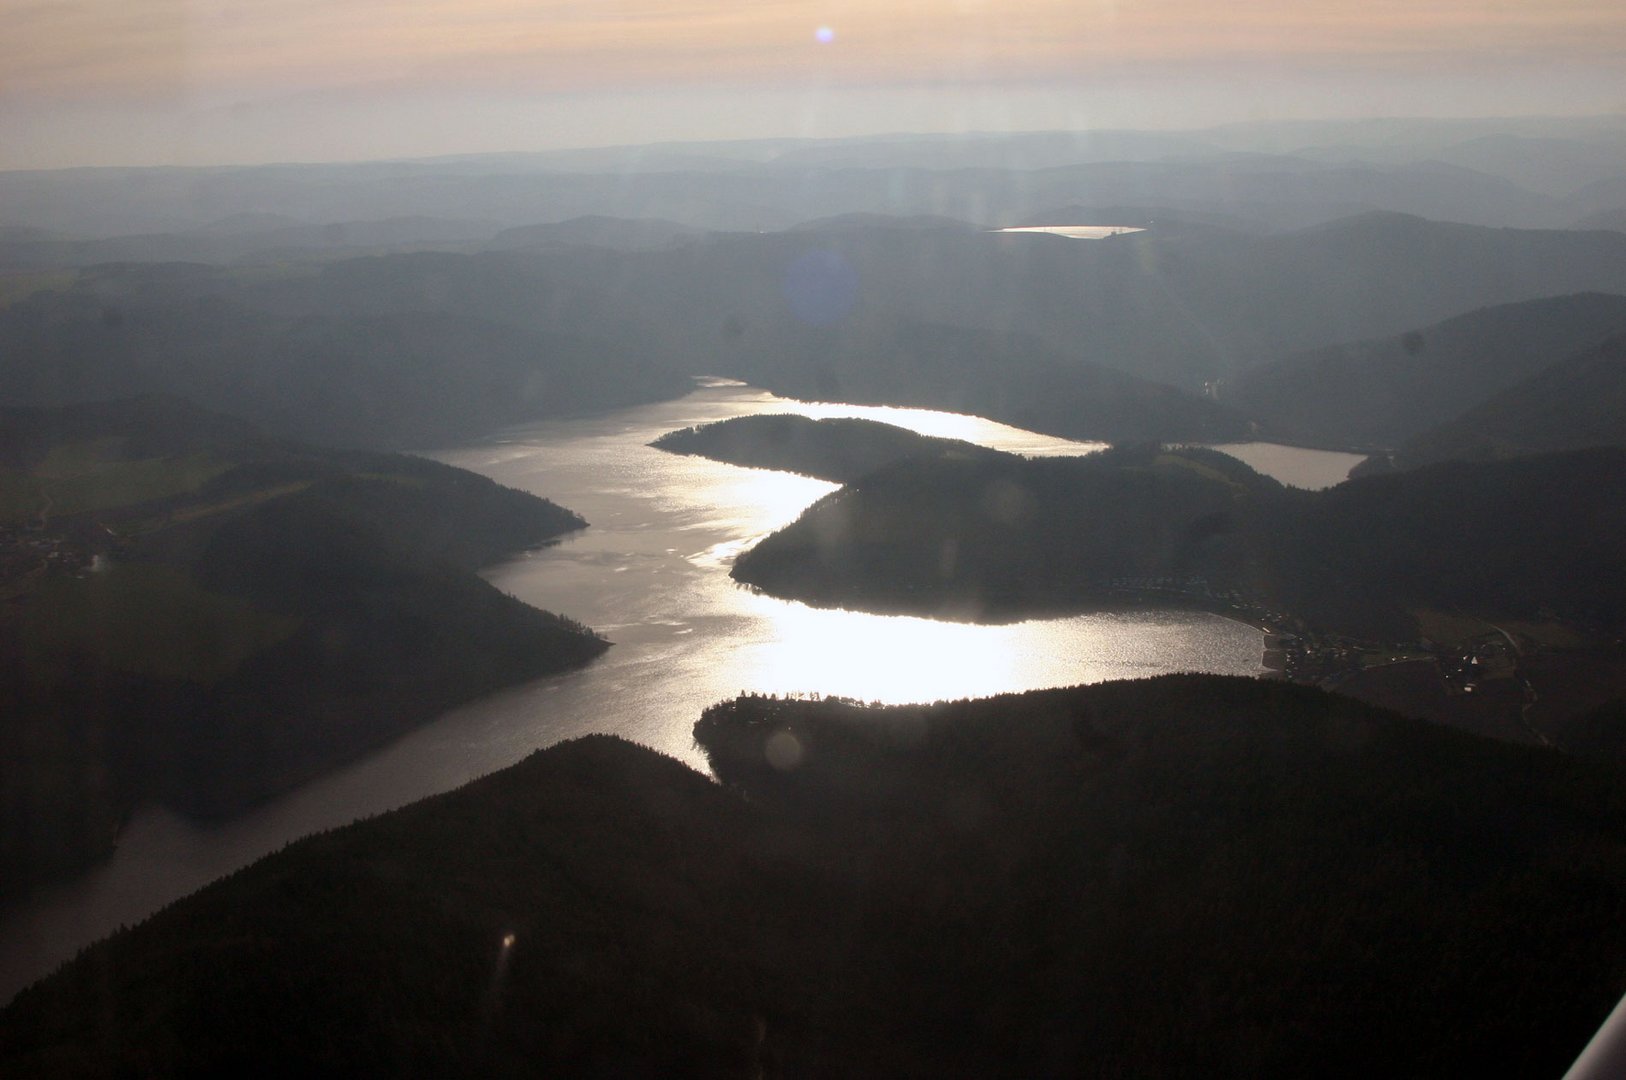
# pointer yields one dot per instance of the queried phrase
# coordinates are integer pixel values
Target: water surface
(1076, 232)
(651, 574)
(1294, 466)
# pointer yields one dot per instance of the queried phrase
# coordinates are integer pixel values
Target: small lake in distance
(1076, 232)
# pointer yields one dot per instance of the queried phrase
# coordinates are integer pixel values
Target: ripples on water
(651, 574)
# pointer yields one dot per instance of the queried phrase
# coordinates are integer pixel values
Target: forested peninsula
(839, 449)
(197, 614)
(1008, 537)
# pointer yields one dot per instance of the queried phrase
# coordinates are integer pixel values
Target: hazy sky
(155, 81)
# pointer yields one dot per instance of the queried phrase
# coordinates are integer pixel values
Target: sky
(219, 81)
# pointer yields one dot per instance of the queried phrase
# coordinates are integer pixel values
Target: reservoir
(651, 574)
(1294, 465)
(1076, 232)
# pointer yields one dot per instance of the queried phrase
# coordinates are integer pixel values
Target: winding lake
(651, 574)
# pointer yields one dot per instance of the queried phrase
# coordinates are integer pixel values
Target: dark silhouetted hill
(1165, 877)
(981, 539)
(836, 449)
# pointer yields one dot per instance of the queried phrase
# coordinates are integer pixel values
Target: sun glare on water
(898, 659)
(948, 425)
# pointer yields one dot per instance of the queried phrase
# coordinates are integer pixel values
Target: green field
(86, 476)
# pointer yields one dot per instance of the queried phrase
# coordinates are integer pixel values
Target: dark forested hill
(1003, 537)
(194, 613)
(1577, 402)
(1167, 877)
(832, 449)
(981, 539)
(1385, 391)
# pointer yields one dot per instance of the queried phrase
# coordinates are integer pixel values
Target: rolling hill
(1577, 402)
(1382, 392)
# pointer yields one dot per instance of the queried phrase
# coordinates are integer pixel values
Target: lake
(651, 573)
(1076, 232)
(1294, 465)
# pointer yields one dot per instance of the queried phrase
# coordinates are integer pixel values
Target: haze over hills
(201, 616)
(1280, 175)
(1383, 392)
(248, 238)
(1182, 309)
(1577, 402)
(598, 230)
(1044, 332)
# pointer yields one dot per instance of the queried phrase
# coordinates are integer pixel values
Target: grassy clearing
(203, 510)
(80, 477)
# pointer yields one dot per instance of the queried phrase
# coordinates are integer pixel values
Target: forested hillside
(196, 614)
(1188, 874)
(1010, 537)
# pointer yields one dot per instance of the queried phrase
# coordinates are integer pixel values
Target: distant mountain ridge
(1519, 171)
(1069, 337)
(598, 230)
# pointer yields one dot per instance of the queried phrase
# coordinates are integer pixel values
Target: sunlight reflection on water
(651, 574)
(900, 659)
(652, 571)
